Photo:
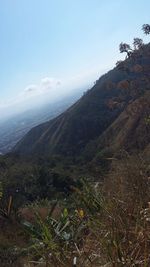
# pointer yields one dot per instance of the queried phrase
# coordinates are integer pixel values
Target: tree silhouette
(146, 28)
(123, 47)
(137, 43)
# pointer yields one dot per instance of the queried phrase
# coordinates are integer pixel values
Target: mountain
(14, 128)
(111, 114)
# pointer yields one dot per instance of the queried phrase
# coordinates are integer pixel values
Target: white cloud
(49, 83)
(46, 84)
(30, 88)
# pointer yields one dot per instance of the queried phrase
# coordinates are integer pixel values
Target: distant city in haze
(49, 48)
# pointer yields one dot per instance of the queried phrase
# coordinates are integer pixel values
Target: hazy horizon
(50, 48)
(38, 95)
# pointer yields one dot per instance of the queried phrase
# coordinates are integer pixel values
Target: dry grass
(114, 231)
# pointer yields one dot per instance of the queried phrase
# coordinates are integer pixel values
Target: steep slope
(130, 131)
(95, 112)
(70, 132)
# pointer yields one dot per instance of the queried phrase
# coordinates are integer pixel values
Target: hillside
(100, 113)
(130, 127)
(129, 132)
(75, 190)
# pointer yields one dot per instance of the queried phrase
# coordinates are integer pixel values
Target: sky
(50, 47)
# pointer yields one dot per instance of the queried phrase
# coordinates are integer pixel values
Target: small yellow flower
(81, 213)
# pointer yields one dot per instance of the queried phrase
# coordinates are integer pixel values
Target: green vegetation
(98, 223)
(49, 213)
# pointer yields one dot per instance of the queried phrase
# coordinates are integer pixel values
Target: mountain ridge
(85, 121)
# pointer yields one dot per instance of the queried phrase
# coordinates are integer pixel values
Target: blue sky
(62, 43)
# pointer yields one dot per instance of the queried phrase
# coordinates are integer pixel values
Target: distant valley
(14, 128)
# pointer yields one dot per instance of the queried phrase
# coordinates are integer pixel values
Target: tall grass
(98, 224)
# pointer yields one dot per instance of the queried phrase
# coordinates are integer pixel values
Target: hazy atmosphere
(49, 48)
(75, 133)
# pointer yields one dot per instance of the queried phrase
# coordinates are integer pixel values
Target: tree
(146, 28)
(123, 47)
(137, 43)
